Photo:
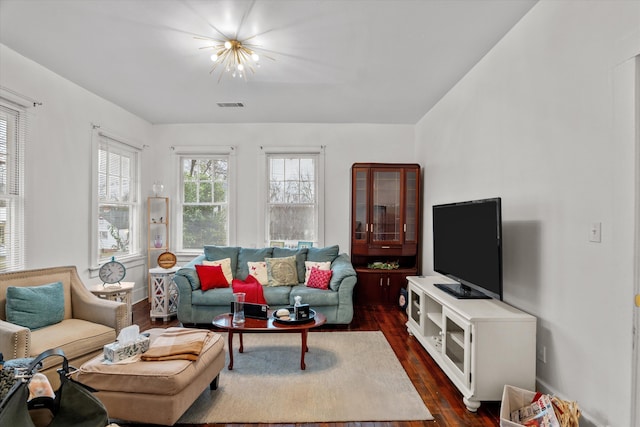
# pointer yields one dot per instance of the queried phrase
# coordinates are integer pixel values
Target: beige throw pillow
(226, 267)
(258, 270)
(282, 271)
(308, 265)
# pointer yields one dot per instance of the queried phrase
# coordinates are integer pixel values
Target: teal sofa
(196, 306)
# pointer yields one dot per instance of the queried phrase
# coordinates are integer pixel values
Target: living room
(546, 120)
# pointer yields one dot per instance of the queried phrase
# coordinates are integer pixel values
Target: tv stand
(461, 291)
(480, 344)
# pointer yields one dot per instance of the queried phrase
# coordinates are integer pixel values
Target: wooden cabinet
(385, 228)
(480, 344)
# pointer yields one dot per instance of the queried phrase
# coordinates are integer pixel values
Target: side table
(121, 293)
(164, 294)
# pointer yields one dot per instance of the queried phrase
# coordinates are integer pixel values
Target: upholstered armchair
(87, 322)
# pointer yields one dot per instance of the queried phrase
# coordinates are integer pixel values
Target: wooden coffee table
(225, 321)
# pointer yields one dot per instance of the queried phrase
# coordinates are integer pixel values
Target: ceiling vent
(230, 104)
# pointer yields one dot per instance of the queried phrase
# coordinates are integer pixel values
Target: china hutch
(385, 229)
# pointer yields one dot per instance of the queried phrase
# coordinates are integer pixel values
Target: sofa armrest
(15, 340)
(87, 306)
(342, 269)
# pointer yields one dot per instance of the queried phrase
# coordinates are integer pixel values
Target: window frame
(288, 152)
(119, 145)
(204, 152)
(14, 193)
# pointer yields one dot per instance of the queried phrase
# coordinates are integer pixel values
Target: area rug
(349, 376)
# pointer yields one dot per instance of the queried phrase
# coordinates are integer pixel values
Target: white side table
(121, 293)
(164, 294)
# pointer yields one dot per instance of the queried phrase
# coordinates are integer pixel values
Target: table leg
(231, 349)
(303, 349)
(241, 343)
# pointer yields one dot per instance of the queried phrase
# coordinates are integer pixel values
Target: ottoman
(154, 392)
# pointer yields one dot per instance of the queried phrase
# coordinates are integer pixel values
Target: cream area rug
(349, 376)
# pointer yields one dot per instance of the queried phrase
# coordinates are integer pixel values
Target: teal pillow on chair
(35, 307)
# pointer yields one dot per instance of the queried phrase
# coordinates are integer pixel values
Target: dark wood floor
(438, 393)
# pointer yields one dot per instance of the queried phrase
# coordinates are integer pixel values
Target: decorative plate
(167, 260)
(289, 321)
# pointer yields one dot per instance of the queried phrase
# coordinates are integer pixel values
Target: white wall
(533, 123)
(345, 144)
(58, 164)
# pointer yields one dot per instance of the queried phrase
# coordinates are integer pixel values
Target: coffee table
(269, 325)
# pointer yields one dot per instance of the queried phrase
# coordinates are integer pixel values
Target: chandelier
(234, 57)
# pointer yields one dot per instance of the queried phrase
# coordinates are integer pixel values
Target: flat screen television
(467, 247)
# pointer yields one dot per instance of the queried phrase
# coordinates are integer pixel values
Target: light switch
(595, 233)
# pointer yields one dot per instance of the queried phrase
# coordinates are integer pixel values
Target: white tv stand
(481, 344)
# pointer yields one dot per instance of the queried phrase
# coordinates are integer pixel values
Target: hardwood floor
(438, 393)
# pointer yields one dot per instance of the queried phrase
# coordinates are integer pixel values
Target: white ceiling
(336, 61)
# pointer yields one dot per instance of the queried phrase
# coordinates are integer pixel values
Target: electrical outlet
(541, 353)
(595, 232)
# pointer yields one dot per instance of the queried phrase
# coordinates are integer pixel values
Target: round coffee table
(225, 321)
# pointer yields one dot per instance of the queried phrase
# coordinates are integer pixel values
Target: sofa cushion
(247, 255)
(319, 278)
(252, 289)
(282, 271)
(220, 296)
(301, 257)
(314, 297)
(226, 268)
(75, 337)
(211, 277)
(277, 295)
(215, 253)
(35, 307)
(328, 253)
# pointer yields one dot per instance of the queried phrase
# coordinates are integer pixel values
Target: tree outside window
(205, 202)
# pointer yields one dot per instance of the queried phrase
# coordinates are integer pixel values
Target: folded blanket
(177, 344)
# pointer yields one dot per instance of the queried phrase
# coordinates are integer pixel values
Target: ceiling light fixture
(235, 57)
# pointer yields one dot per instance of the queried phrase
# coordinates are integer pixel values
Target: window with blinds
(13, 131)
(118, 202)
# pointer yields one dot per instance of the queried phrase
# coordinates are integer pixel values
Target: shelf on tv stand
(480, 344)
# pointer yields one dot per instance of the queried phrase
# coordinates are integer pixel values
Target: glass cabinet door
(386, 216)
(360, 214)
(411, 207)
(457, 346)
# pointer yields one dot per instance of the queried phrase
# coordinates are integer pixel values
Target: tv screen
(467, 247)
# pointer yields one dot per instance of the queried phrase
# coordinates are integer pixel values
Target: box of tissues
(129, 343)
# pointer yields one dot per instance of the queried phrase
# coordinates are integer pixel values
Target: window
(293, 211)
(118, 230)
(12, 141)
(204, 215)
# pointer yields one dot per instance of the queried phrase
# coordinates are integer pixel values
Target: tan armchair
(88, 324)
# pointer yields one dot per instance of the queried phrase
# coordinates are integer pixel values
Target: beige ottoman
(154, 392)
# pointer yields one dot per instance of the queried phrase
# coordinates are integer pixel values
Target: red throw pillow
(251, 287)
(211, 276)
(319, 278)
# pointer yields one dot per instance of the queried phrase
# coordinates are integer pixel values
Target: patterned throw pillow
(319, 278)
(226, 267)
(211, 276)
(282, 271)
(258, 270)
(310, 264)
